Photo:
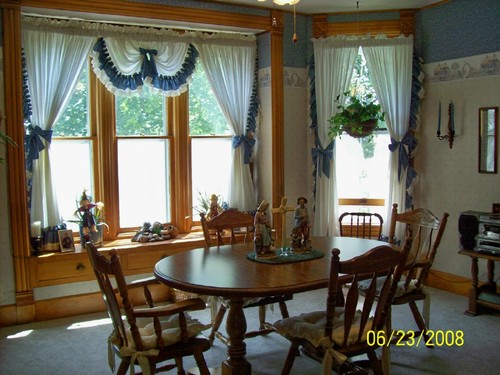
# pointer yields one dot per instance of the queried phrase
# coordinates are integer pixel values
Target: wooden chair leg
(124, 366)
(375, 363)
(419, 320)
(262, 317)
(180, 366)
(290, 358)
(217, 323)
(201, 363)
(386, 349)
(283, 310)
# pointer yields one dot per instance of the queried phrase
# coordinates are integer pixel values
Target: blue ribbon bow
(148, 67)
(325, 155)
(248, 142)
(34, 144)
(404, 152)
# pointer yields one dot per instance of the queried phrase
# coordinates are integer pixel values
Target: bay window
(142, 130)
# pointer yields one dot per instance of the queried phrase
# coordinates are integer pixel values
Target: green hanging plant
(358, 117)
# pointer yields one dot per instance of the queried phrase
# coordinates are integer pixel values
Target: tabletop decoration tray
(290, 257)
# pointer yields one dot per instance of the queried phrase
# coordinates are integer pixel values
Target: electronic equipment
(468, 228)
(488, 237)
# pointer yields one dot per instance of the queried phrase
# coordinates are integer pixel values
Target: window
(142, 158)
(143, 149)
(363, 164)
(210, 138)
(72, 151)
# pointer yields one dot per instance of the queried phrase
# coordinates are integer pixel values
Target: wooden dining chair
(234, 226)
(151, 335)
(426, 231)
(360, 225)
(336, 334)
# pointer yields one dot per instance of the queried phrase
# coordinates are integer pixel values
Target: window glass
(211, 163)
(143, 177)
(363, 170)
(142, 114)
(143, 167)
(205, 115)
(74, 121)
(71, 152)
(71, 173)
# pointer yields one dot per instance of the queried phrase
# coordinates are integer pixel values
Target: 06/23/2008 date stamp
(409, 338)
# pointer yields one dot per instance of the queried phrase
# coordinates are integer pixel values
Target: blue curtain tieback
(325, 155)
(248, 142)
(148, 68)
(404, 152)
(33, 142)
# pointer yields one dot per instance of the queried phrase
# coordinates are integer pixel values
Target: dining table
(233, 272)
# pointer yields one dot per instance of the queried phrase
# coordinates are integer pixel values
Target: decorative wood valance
(391, 28)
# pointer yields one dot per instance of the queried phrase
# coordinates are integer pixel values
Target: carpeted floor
(77, 345)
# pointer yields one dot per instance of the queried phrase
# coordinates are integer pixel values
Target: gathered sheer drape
(230, 71)
(389, 61)
(54, 62)
(334, 61)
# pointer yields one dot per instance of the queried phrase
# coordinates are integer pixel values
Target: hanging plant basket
(361, 130)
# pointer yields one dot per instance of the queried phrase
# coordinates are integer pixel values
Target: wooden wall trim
(155, 11)
(449, 282)
(16, 175)
(277, 108)
(63, 307)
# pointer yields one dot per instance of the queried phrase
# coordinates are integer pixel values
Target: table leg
(492, 285)
(473, 292)
(236, 326)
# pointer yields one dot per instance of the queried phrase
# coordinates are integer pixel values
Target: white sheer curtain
(54, 63)
(334, 59)
(389, 61)
(231, 72)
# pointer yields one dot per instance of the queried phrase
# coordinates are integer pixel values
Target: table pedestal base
(236, 326)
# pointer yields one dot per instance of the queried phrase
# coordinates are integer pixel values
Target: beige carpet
(78, 345)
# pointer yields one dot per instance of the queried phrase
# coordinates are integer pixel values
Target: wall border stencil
(463, 68)
(292, 77)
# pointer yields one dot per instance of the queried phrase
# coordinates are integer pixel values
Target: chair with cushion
(361, 225)
(147, 336)
(336, 334)
(426, 231)
(228, 227)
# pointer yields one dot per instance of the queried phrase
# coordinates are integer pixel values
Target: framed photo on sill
(66, 240)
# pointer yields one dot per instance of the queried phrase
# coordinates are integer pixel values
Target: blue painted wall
(458, 28)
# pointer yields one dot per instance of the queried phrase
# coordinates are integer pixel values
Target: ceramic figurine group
(263, 240)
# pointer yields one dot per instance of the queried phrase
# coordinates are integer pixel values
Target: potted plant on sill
(359, 117)
(90, 218)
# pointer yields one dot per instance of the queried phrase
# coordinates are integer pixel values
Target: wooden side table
(485, 294)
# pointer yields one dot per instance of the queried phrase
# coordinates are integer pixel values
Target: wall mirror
(488, 138)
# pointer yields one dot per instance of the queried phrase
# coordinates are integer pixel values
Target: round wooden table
(225, 271)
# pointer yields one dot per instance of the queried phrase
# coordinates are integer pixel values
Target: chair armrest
(191, 304)
(142, 282)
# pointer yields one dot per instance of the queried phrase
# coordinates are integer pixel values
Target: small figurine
(302, 227)
(88, 219)
(262, 235)
(214, 209)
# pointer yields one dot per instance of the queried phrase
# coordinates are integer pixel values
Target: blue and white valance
(125, 65)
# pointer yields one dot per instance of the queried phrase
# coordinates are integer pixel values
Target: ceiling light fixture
(289, 2)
